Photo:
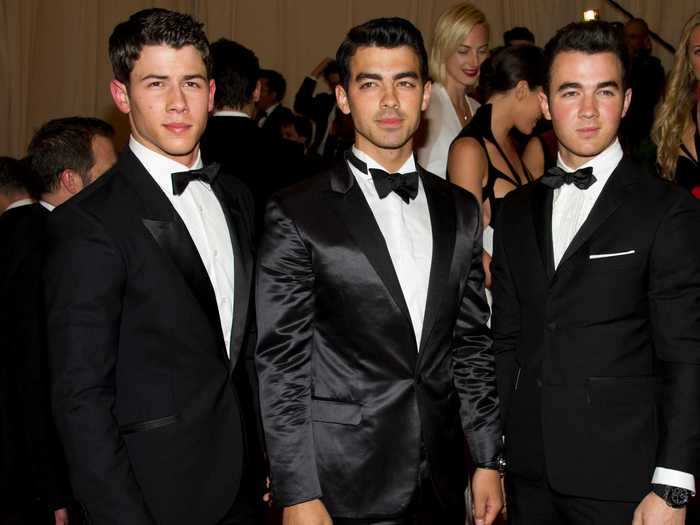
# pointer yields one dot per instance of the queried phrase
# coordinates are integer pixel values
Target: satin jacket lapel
(242, 268)
(542, 219)
(170, 233)
(608, 201)
(364, 230)
(442, 223)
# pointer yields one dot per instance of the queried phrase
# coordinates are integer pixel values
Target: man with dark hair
(273, 87)
(148, 290)
(33, 477)
(374, 358)
(646, 79)
(69, 153)
(320, 108)
(596, 282)
(518, 36)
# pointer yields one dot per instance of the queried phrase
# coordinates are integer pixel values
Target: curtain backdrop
(53, 53)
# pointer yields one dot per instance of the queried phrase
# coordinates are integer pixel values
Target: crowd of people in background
(105, 342)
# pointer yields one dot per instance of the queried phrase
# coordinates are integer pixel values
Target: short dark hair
(518, 33)
(15, 176)
(381, 32)
(236, 71)
(590, 38)
(65, 143)
(275, 82)
(154, 27)
(502, 71)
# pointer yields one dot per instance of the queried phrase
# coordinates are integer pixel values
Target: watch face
(678, 497)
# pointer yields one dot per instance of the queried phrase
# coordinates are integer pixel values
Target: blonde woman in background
(675, 130)
(460, 44)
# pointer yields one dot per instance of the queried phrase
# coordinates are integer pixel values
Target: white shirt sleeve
(674, 478)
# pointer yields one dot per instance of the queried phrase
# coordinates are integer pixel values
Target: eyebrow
(377, 76)
(165, 77)
(578, 85)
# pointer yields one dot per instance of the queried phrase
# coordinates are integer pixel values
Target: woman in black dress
(675, 130)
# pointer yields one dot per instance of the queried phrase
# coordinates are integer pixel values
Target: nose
(177, 101)
(389, 98)
(589, 106)
(473, 58)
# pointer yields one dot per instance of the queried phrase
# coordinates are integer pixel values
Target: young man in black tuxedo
(596, 287)
(374, 359)
(273, 87)
(148, 288)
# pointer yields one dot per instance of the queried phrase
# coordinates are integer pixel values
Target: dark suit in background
(598, 361)
(349, 403)
(33, 474)
(145, 397)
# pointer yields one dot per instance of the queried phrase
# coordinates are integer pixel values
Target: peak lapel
(363, 228)
(608, 201)
(171, 235)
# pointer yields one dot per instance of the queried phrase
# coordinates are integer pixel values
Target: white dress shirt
(47, 205)
(230, 113)
(19, 203)
(201, 212)
(443, 125)
(570, 208)
(408, 235)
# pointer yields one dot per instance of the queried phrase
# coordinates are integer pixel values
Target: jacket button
(539, 382)
(552, 326)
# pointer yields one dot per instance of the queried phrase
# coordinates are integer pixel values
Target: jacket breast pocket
(151, 424)
(339, 412)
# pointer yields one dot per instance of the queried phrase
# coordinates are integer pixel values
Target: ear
(522, 90)
(70, 181)
(256, 91)
(427, 91)
(212, 90)
(120, 95)
(342, 99)
(544, 104)
(627, 101)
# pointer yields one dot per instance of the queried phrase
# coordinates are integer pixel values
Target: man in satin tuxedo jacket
(148, 284)
(596, 322)
(374, 359)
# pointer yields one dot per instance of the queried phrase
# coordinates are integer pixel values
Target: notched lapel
(364, 230)
(443, 225)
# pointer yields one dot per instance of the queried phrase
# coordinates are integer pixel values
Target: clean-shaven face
(586, 103)
(168, 100)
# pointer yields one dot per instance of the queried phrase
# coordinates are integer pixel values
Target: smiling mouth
(470, 72)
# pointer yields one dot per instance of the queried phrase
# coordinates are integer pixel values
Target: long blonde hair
(451, 28)
(673, 116)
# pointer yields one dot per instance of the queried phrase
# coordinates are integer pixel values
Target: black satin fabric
(347, 398)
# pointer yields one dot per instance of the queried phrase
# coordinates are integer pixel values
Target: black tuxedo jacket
(32, 467)
(317, 108)
(598, 362)
(142, 385)
(348, 400)
(273, 122)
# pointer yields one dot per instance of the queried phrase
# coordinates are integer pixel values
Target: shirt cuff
(674, 478)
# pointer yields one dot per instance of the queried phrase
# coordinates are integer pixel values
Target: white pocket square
(606, 255)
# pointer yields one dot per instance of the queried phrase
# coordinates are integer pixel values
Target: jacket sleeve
(285, 315)
(505, 320)
(85, 276)
(304, 99)
(472, 357)
(674, 302)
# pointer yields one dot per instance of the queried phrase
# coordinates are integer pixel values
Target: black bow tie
(405, 185)
(555, 177)
(182, 178)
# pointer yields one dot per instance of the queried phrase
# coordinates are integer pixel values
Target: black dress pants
(535, 502)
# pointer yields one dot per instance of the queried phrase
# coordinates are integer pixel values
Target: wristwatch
(499, 464)
(675, 497)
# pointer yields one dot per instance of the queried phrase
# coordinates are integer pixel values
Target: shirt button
(199, 207)
(216, 253)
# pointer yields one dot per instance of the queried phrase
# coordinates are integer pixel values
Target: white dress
(440, 126)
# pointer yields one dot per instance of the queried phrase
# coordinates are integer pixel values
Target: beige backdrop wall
(53, 53)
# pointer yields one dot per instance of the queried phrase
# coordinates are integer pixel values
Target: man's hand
(308, 513)
(321, 67)
(487, 497)
(654, 511)
(61, 516)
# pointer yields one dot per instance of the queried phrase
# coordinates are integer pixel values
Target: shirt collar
(47, 205)
(159, 166)
(407, 167)
(603, 164)
(19, 203)
(230, 113)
